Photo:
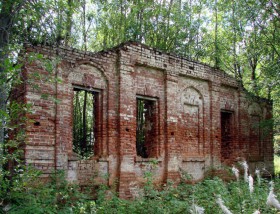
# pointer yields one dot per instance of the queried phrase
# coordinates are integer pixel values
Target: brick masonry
(190, 99)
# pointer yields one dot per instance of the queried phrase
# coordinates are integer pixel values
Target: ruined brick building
(193, 117)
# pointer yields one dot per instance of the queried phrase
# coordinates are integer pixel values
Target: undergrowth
(180, 199)
(30, 196)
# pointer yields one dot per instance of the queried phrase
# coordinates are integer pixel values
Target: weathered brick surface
(190, 98)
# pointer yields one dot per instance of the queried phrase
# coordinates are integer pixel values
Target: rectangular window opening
(255, 136)
(226, 134)
(85, 104)
(146, 128)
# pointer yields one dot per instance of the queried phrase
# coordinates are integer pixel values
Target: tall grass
(235, 196)
(218, 193)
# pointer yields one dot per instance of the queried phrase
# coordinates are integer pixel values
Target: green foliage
(180, 199)
(29, 194)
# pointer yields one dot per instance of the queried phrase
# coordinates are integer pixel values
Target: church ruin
(145, 107)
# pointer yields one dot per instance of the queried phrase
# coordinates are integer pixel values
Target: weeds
(212, 195)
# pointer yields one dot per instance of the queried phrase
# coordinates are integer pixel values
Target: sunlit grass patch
(277, 164)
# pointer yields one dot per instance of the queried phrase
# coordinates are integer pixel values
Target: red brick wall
(189, 98)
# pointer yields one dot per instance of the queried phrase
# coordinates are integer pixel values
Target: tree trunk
(217, 57)
(167, 28)
(84, 26)
(69, 14)
(84, 141)
(6, 26)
